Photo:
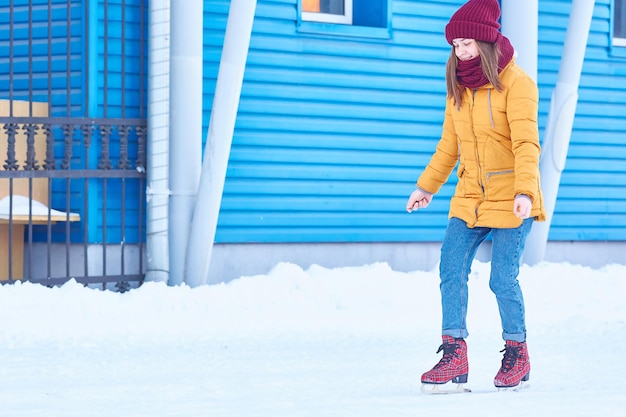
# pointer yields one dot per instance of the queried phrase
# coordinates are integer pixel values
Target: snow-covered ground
(347, 342)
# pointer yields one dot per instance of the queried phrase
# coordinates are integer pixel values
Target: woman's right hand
(418, 199)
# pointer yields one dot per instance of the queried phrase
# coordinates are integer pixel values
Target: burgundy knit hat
(476, 19)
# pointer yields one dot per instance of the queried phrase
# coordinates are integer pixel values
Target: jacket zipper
(491, 174)
(477, 156)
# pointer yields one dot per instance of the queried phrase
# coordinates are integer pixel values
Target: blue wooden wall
(118, 88)
(334, 129)
(42, 59)
(85, 63)
(57, 70)
(591, 203)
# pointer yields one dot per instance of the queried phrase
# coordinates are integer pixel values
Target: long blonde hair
(489, 56)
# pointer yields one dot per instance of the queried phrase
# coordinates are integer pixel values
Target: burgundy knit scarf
(470, 74)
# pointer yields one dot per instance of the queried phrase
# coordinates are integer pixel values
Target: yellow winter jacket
(494, 139)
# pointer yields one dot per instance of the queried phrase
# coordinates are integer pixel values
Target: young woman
(489, 130)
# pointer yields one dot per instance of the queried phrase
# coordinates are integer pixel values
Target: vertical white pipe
(520, 23)
(560, 122)
(219, 140)
(157, 189)
(185, 126)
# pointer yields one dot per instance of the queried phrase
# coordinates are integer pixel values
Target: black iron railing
(73, 134)
(114, 171)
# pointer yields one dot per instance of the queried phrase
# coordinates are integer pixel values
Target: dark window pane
(620, 19)
(332, 7)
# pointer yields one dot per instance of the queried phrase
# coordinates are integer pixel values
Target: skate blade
(522, 385)
(447, 388)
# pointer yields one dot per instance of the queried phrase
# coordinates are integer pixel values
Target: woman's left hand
(522, 206)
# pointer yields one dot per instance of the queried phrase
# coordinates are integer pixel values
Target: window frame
(310, 23)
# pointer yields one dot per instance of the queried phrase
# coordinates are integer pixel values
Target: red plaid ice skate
(515, 365)
(452, 366)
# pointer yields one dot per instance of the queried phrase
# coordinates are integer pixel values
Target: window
(363, 18)
(619, 23)
(329, 11)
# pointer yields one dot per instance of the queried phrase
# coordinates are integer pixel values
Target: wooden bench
(23, 211)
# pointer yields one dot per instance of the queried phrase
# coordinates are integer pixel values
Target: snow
(316, 342)
(22, 206)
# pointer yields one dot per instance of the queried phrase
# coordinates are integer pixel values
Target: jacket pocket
(498, 155)
(500, 185)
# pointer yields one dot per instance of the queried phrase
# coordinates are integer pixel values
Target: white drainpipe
(560, 122)
(520, 23)
(157, 189)
(185, 126)
(219, 140)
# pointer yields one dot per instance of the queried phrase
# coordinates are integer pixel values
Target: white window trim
(619, 41)
(345, 19)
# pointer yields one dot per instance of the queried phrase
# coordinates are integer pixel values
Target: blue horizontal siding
(120, 86)
(327, 124)
(333, 131)
(591, 203)
(42, 58)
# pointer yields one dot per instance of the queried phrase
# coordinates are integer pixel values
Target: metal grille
(73, 167)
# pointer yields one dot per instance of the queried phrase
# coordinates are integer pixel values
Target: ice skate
(515, 370)
(450, 373)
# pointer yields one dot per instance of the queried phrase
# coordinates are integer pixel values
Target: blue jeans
(457, 253)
